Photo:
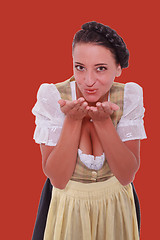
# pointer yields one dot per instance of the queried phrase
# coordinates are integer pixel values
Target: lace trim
(91, 161)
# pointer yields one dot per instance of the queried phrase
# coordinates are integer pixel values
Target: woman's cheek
(79, 80)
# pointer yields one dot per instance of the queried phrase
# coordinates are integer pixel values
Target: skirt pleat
(96, 211)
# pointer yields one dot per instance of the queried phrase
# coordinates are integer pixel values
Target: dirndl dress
(92, 210)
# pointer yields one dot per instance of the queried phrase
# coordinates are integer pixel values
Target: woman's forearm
(121, 160)
(60, 164)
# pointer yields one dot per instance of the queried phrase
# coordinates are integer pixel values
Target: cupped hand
(102, 110)
(76, 109)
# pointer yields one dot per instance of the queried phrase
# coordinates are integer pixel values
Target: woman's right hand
(75, 110)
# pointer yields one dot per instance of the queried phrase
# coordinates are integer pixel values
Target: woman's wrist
(104, 126)
(102, 123)
(73, 120)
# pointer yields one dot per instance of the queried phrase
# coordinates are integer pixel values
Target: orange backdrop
(35, 46)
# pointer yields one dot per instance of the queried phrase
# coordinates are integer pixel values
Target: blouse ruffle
(131, 124)
(49, 118)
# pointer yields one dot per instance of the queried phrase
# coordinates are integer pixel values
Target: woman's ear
(119, 70)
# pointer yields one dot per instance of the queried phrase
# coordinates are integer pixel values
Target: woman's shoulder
(128, 84)
(128, 88)
(133, 100)
(46, 90)
(133, 88)
(55, 90)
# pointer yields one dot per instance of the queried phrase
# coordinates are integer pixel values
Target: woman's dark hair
(93, 32)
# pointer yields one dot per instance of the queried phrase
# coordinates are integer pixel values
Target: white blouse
(49, 118)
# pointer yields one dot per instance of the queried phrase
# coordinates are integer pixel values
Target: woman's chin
(91, 99)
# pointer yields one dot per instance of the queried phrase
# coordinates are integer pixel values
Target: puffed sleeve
(49, 118)
(131, 124)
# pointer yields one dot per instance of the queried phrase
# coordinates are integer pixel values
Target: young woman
(89, 129)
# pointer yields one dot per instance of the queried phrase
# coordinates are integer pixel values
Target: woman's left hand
(102, 110)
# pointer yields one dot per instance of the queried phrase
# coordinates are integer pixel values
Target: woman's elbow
(126, 181)
(60, 185)
(57, 183)
(128, 177)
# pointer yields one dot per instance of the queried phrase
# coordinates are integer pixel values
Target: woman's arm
(123, 158)
(59, 162)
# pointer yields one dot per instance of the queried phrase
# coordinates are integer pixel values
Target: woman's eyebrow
(101, 64)
(98, 64)
(79, 63)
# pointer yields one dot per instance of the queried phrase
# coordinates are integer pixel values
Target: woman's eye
(100, 69)
(79, 68)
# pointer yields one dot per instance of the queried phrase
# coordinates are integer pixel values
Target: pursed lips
(91, 91)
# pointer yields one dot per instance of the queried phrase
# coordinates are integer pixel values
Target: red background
(35, 47)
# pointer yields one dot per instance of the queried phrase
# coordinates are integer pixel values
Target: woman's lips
(90, 91)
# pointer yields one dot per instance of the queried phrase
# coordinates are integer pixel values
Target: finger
(69, 105)
(99, 107)
(62, 102)
(87, 108)
(107, 108)
(85, 111)
(114, 106)
(93, 109)
(73, 104)
(81, 100)
(81, 109)
(83, 105)
(76, 105)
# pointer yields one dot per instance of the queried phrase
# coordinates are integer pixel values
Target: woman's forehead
(89, 52)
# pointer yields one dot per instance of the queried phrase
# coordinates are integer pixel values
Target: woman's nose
(90, 79)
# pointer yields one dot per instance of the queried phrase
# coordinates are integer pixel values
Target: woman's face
(95, 69)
